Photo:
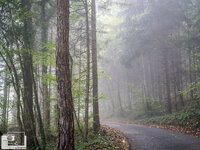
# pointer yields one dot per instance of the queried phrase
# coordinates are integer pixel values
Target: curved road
(147, 138)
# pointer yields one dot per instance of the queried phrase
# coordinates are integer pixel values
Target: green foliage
(74, 16)
(103, 74)
(189, 117)
(95, 141)
(46, 57)
(46, 78)
(102, 96)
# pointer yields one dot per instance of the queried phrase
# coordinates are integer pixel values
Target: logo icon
(14, 140)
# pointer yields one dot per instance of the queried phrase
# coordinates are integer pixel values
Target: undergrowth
(189, 117)
(95, 141)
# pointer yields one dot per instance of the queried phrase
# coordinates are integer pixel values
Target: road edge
(116, 135)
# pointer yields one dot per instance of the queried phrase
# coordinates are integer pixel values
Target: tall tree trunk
(65, 102)
(8, 103)
(146, 93)
(39, 116)
(111, 98)
(174, 84)
(79, 86)
(78, 124)
(29, 122)
(88, 72)
(120, 101)
(5, 92)
(190, 73)
(96, 123)
(167, 79)
(129, 92)
(179, 76)
(151, 71)
(46, 101)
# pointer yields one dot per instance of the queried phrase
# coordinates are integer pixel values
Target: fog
(150, 57)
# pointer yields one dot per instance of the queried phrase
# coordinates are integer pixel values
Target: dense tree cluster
(32, 60)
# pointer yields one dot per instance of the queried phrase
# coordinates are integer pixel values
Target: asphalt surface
(146, 138)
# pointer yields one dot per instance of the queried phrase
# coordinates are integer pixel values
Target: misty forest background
(148, 65)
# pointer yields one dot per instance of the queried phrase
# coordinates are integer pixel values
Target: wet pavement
(147, 138)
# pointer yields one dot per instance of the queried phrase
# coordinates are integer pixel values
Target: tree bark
(96, 122)
(46, 101)
(65, 102)
(190, 73)
(167, 79)
(179, 76)
(174, 84)
(88, 72)
(29, 122)
(39, 116)
(5, 92)
(120, 101)
(145, 88)
(79, 86)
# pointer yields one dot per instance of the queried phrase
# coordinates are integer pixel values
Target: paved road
(146, 138)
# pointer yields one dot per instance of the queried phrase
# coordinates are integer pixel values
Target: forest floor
(150, 138)
(108, 139)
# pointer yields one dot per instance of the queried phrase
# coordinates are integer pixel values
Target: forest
(89, 74)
